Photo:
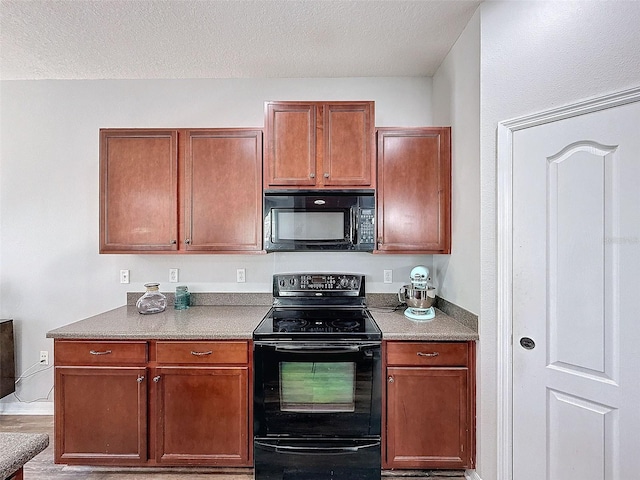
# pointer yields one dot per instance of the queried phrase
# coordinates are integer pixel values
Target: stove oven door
(316, 389)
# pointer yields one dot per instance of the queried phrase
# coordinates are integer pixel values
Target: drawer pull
(201, 354)
(140, 379)
(422, 354)
(94, 352)
(156, 378)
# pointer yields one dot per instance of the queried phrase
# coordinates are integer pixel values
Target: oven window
(292, 225)
(317, 386)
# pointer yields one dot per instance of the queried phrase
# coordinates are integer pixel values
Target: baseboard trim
(471, 475)
(19, 408)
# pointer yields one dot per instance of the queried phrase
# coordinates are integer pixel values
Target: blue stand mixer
(418, 296)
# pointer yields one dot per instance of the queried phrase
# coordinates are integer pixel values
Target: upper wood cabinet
(180, 190)
(138, 190)
(319, 145)
(414, 190)
(223, 190)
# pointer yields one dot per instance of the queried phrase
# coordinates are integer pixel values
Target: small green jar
(183, 298)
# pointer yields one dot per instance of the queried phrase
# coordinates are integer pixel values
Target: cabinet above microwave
(319, 145)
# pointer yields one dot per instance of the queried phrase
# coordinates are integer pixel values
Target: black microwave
(319, 220)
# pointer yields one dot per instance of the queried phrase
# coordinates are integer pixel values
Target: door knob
(527, 343)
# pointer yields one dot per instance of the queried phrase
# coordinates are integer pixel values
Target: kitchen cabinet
(101, 403)
(152, 403)
(318, 145)
(429, 405)
(223, 191)
(202, 401)
(180, 191)
(414, 190)
(138, 191)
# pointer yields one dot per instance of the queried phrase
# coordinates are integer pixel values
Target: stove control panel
(316, 282)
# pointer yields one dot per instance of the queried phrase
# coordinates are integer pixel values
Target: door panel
(290, 154)
(576, 257)
(101, 415)
(138, 190)
(202, 416)
(223, 194)
(347, 159)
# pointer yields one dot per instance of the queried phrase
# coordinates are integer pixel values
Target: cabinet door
(223, 190)
(138, 190)
(101, 415)
(348, 146)
(202, 416)
(414, 190)
(290, 154)
(428, 418)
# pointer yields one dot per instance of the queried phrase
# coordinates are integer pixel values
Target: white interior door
(576, 297)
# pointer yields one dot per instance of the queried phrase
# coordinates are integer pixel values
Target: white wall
(535, 56)
(456, 102)
(51, 273)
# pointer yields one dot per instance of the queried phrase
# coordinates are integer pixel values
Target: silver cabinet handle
(140, 379)
(326, 175)
(173, 242)
(105, 352)
(156, 378)
(312, 175)
(422, 354)
(390, 380)
(188, 241)
(201, 354)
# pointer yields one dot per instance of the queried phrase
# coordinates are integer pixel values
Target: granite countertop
(395, 326)
(195, 323)
(16, 449)
(218, 322)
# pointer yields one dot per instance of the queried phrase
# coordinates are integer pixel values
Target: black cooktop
(317, 307)
(317, 323)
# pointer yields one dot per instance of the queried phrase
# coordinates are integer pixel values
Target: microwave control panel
(366, 226)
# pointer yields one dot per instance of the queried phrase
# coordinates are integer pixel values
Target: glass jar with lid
(152, 301)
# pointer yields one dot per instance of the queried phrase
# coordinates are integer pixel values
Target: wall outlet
(44, 357)
(173, 275)
(388, 276)
(124, 276)
(241, 275)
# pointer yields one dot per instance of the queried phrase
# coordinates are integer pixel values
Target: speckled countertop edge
(16, 449)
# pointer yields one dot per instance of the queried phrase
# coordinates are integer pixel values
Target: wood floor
(43, 468)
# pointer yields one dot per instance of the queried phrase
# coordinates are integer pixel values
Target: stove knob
(353, 283)
(344, 282)
(292, 281)
(281, 282)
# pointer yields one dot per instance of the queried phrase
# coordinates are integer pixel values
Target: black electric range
(317, 381)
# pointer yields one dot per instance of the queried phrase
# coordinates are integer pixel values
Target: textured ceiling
(100, 39)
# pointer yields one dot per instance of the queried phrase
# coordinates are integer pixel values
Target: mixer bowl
(417, 297)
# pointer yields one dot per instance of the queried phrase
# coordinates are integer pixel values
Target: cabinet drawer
(202, 352)
(100, 353)
(427, 353)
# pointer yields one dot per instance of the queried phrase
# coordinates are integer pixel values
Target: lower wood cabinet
(146, 403)
(202, 412)
(101, 415)
(429, 403)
